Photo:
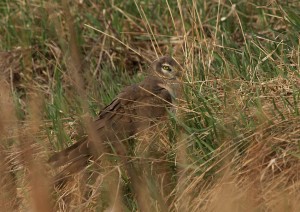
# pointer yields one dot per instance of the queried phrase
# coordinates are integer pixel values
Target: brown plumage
(137, 108)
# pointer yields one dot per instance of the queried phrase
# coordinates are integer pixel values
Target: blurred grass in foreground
(235, 143)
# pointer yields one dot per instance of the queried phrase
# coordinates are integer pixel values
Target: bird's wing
(134, 104)
(80, 148)
(117, 108)
(149, 98)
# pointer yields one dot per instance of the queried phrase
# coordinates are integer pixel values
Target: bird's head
(166, 67)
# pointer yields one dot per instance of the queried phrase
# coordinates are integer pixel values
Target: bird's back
(135, 109)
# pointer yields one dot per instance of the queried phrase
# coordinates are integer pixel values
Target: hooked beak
(179, 74)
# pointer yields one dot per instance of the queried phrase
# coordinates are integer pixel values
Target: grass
(234, 144)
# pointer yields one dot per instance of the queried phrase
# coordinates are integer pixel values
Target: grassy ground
(234, 145)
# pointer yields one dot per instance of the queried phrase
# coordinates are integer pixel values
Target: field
(233, 143)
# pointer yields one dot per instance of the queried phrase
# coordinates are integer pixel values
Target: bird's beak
(179, 74)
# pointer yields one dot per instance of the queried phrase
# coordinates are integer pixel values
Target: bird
(135, 110)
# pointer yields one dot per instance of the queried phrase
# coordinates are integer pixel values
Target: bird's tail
(73, 159)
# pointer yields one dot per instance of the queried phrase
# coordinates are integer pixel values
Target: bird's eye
(167, 68)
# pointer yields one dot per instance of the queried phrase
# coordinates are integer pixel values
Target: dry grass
(233, 144)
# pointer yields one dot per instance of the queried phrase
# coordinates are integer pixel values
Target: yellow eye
(167, 68)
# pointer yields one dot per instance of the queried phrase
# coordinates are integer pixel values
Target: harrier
(137, 108)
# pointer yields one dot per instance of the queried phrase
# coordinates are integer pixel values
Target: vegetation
(234, 144)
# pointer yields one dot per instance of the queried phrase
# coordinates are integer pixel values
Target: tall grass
(233, 144)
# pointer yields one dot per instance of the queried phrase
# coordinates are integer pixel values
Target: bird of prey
(137, 108)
